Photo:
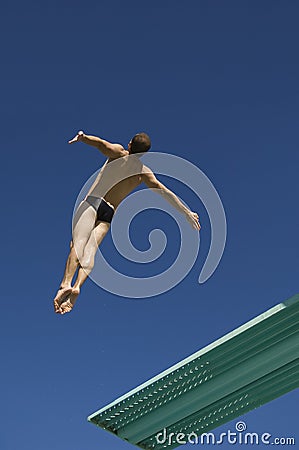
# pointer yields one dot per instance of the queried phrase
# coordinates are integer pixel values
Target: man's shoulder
(121, 155)
(146, 170)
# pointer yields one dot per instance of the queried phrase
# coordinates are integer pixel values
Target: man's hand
(193, 219)
(77, 138)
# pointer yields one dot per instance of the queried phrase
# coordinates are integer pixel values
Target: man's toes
(66, 307)
(58, 310)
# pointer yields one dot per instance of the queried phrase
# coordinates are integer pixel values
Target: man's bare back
(120, 170)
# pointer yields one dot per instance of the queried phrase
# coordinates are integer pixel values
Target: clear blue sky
(214, 82)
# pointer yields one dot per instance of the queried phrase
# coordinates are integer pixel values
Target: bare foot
(60, 297)
(68, 304)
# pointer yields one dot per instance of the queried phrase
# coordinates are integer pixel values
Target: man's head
(140, 143)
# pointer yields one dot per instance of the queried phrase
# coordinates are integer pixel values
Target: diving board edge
(258, 319)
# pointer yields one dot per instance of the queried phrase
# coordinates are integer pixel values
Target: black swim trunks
(104, 210)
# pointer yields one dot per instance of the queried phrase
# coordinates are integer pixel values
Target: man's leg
(70, 267)
(84, 224)
(86, 264)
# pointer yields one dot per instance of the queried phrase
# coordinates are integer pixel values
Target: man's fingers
(75, 139)
(193, 219)
(197, 225)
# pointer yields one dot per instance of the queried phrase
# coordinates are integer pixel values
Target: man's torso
(118, 178)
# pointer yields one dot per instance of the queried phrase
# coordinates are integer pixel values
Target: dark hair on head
(140, 143)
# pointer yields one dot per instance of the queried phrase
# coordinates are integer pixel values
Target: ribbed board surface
(246, 368)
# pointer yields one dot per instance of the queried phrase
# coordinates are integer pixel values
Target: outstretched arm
(151, 181)
(107, 148)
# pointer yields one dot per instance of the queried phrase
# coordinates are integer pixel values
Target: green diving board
(250, 366)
